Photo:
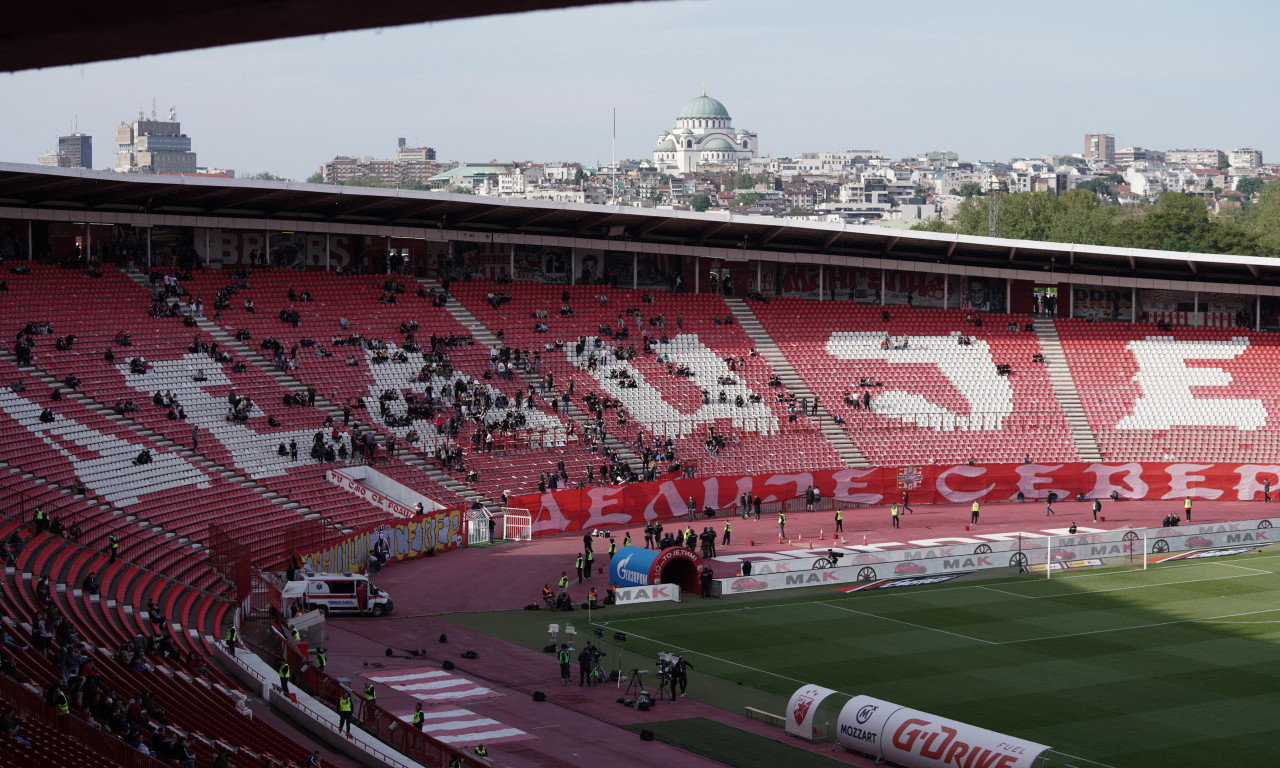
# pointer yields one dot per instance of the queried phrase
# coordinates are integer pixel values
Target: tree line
(1174, 222)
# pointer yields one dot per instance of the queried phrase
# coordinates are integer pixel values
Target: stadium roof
(79, 193)
(38, 35)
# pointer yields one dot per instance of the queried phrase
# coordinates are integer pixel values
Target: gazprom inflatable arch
(638, 567)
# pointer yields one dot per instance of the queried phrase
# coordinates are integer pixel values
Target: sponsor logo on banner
(747, 584)
(646, 594)
(910, 478)
(914, 581)
(942, 743)
(630, 575)
(1200, 555)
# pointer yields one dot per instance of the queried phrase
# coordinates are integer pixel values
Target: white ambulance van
(337, 593)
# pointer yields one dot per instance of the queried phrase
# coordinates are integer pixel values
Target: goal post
(1125, 549)
(517, 524)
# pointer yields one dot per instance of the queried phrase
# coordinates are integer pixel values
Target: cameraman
(585, 660)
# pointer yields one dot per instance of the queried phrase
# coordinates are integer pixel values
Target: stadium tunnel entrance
(682, 569)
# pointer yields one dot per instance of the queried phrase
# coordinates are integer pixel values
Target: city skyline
(825, 77)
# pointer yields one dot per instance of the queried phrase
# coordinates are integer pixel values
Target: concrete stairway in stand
(1064, 389)
(765, 345)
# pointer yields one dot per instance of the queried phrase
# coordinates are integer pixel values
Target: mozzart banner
(918, 739)
(635, 504)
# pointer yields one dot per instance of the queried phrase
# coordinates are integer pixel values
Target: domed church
(703, 135)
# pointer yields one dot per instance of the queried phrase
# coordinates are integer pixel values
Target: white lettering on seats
(646, 404)
(1166, 382)
(104, 462)
(254, 453)
(969, 368)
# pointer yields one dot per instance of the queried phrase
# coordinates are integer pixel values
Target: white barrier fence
(1014, 551)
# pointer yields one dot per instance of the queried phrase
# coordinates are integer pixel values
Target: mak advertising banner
(651, 594)
(638, 503)
(916, 739)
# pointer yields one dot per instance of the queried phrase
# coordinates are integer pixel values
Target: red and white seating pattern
(934, 400)
(666, 404)
(1188, 394)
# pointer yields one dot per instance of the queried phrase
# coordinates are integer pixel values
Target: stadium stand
(932, 396)
(376, 354)
(1116, 365)
(662, 387)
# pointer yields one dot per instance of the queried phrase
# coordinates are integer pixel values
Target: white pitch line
(414, 676)
(1003, 592)
(1147, 586)
(1137, 626)
(910, 624)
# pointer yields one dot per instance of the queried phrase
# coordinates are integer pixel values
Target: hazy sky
(988, 79)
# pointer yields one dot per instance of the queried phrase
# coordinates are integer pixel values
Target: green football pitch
(1176, 665)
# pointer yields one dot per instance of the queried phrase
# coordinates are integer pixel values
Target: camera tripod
(635, 681)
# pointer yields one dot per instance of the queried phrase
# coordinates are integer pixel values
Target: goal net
(517, 524)
(1110, 549)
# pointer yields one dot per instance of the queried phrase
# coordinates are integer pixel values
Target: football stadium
(309, 475)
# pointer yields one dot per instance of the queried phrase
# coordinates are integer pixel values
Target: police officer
(839, 520)
(370, 695)
(973, 514)
(113, 545)
(481, 751)
(590, 564)
(232, 637)
(295, 634)
(60, 701)
(321, 659)
(42, 522)
(728, 529)
(577, 565)
(626, 541)
(344, 712)
(648, 536)
(564, 583)
(782, 525)
(613, 549)
(893, 513)
(1186, 508)
(562, 656)
(1097, 507)
(285, 674)
(455, 762)
(418, 716)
